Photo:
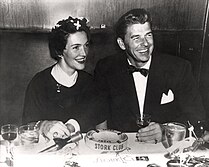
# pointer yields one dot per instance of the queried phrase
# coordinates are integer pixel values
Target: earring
(60, 56)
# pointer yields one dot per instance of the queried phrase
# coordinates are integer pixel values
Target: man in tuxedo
(139, 81)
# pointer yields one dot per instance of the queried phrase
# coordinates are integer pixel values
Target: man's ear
(121, 43)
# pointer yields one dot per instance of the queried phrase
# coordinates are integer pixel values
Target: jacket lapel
(155, 85)
(128, 86)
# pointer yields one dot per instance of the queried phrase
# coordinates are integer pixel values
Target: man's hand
(206, 136)
(54, 129)
(153, 133)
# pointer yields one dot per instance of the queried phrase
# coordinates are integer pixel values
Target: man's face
(74, 55)
(138, 43)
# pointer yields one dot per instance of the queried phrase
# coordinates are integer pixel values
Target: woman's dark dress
(81, 102)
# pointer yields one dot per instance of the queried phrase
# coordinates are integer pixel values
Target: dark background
(180, 28)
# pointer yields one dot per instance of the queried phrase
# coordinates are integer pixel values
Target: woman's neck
(69, 71)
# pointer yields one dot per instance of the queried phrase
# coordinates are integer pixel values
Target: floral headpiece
(73, 23)
(59, 34)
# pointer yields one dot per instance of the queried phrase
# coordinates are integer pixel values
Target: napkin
(167, 98)
(181, 145)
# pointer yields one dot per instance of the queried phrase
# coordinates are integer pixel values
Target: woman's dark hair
(133, 16)
(59, 34)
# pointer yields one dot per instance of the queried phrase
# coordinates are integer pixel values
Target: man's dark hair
(133, 16)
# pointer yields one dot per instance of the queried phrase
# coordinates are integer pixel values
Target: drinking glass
(174, 132)
(143, 121)
(29, 134)
(3, 151)
(9, 133)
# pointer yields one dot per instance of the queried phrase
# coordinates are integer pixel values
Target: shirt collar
(62, 77)
(146, 66)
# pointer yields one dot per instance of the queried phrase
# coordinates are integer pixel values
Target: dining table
(79, 154)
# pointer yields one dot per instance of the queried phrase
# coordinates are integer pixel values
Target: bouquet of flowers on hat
(73, 23)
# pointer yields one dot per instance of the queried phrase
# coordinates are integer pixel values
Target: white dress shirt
(141, 85)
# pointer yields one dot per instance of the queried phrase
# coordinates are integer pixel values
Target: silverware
(60, 143)
(197, 143)
(191, 130)
(170, 155)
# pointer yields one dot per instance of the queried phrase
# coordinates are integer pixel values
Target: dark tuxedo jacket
(166, 73)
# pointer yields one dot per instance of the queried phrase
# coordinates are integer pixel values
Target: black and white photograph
(104, 83)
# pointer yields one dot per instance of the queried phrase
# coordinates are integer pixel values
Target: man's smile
(142, 51)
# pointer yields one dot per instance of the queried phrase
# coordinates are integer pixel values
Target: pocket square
(167, 98)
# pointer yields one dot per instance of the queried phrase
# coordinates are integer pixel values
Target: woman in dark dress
(64, 91)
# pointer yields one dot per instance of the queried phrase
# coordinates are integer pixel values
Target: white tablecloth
(135, 155)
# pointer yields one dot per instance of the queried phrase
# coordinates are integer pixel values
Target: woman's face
(75, 52)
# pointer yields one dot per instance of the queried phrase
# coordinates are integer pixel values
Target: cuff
(74, 123)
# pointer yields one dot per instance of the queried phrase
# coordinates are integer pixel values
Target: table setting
(25, 146)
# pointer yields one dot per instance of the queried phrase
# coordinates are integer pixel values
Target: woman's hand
(153, 133)
(54, 129)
